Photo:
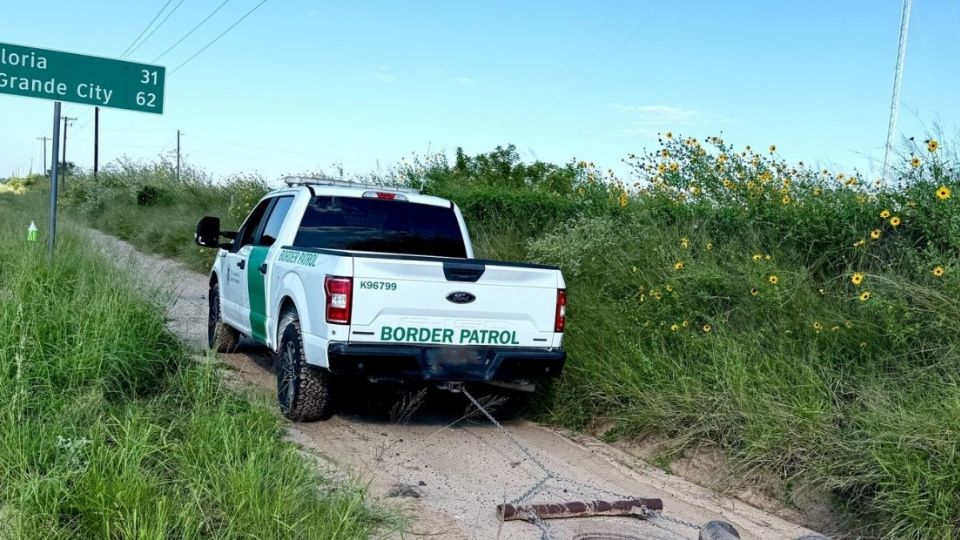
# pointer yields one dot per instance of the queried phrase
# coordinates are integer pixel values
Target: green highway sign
(78, 78)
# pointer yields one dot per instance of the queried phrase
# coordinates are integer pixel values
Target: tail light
(339, 298)
(384, 195)
(561, 319)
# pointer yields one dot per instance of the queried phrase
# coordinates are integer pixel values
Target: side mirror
(208, 232)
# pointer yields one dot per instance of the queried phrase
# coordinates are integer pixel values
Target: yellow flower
(722, 158)
(864, 296)
(834, 328)
(754, 291)
(624, 198)
(773, 279)
(678, 265)
(665, 153)
(895, 221)
(817, 327)
(938, 271)
(817, 191)
(684, 323)
(857, 278)
(684, 242)
(707, 328)
(757, 257)
(709, 246)
(669, 135)
(943, 193)
(674, 166)
(785, 200)
(884, 214)
(727, 184)
(661, 168)
(773, 148)
(766, 257)
(657, 295)
(821, 291)
(859, 242)
(932, 145)
(915, 162)
(875, 234)
(674, 327)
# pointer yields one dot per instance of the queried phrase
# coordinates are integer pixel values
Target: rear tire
(304, 393)
(220, 337)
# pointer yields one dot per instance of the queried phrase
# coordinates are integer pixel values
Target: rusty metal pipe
(629, 507)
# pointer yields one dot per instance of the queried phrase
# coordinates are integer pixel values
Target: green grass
(108, 430)
(797, 380)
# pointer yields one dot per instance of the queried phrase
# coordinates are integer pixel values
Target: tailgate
(455, 302)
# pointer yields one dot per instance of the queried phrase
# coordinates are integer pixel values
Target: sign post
(78, 78)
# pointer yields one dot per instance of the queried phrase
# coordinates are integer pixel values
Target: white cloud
(383, 74)
(646, 121)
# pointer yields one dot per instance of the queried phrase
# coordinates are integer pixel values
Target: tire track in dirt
(448, 479)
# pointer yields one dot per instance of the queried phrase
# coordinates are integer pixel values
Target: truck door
(257, 290)
(235, 268)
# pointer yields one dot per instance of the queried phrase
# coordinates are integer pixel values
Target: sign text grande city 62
(78, 78)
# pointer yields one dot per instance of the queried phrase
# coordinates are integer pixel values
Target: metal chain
(644, 512)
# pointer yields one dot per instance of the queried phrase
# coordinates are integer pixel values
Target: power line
(192, 30)
(207, 46)
(144, 31)
(155, 28)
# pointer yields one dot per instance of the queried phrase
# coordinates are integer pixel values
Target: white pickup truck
(346, 280)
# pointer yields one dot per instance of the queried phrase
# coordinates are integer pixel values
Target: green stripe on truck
(257, 292)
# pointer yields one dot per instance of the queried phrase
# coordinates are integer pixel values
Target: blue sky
(303, 85)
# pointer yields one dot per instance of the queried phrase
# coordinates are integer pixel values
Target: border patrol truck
(344, 280)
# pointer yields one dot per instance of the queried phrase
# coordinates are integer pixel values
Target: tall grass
(107, 429)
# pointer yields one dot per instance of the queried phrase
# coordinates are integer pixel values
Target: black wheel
(303, 392)
(220, 337)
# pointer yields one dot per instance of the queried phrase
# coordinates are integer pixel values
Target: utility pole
(66, 123)
(96, 141)
(897, 78)
(178, 155)
(44, 139)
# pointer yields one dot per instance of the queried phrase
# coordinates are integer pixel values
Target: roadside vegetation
(109, 430)
(805, 321)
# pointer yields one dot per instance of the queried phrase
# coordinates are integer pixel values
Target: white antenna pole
(897, 78)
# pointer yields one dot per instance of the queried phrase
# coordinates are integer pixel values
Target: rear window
(351, 223)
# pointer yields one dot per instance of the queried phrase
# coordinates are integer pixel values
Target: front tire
(303, 392)
(220, 337)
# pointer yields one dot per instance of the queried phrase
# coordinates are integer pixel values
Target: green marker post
(32, 232)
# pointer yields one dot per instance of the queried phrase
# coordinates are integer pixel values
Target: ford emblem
(461, 297)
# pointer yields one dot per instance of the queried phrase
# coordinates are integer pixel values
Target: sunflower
(657, 295)
(864, 296)
(785, 200)
(669, 288)
(773, 148)
(915, 162)
(707, 328)
(932, 145)
(943, 193)
(857, 278)
(859, 242)
(684, 242)
(817, 192)
(678, 265)
(727, 184)
(668, 135)
(773, 279)
(674, 327)
(665, 153)
(624, 198)
(938, 271)
(754, 291)
(757, 257)
(709, 246)
(875, 234)
(834, 328)
(817, 327)
(684, 324)
(884, 214)
(895, 221)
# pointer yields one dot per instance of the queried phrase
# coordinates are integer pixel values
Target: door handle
(263, 268)
(242, 263)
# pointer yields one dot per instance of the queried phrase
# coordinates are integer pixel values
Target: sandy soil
(448, 475)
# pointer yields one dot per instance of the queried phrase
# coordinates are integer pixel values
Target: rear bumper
(435, 363)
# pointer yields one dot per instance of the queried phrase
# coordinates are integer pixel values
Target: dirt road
(448, 475)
